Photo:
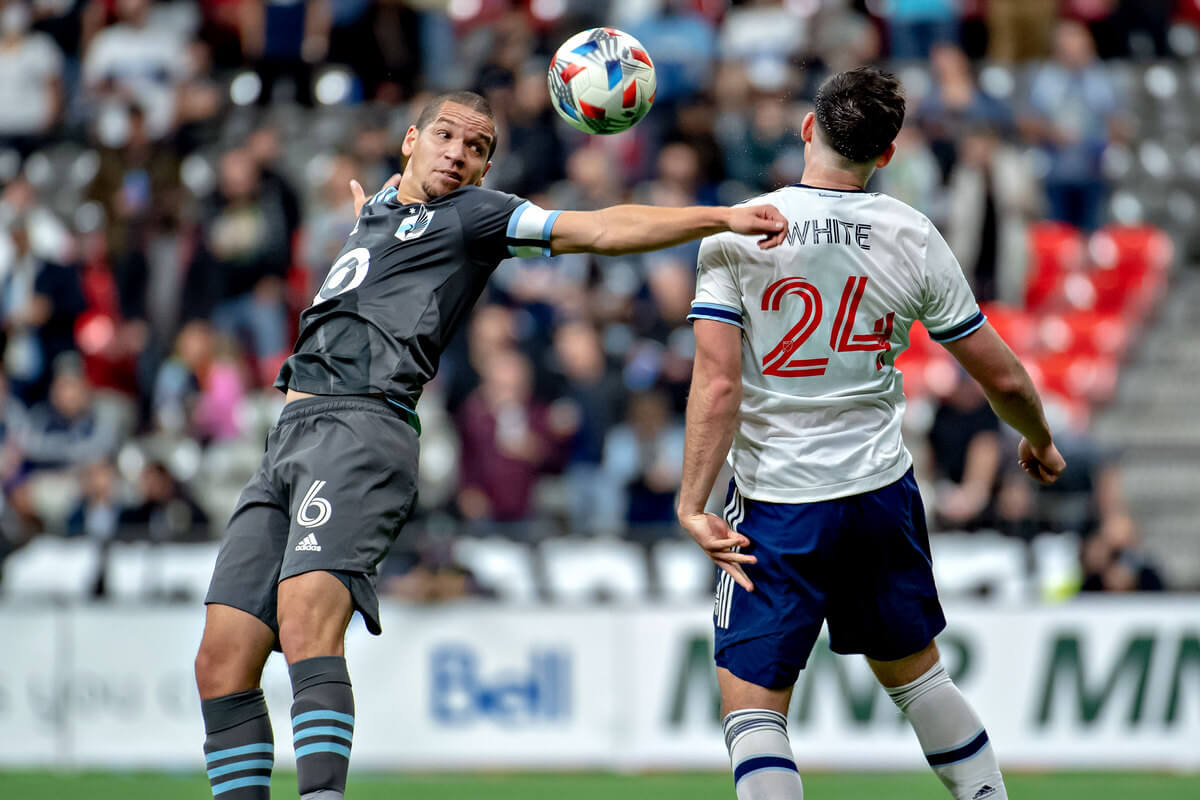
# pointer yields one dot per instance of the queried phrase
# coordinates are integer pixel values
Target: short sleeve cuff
(529, 228)
(717, 312)
(960, 330)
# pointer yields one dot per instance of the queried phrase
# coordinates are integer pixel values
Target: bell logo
(464, 692)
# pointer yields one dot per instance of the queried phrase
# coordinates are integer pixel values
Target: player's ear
(806, 127)
(410, 141)
(486, 167)
(883, 160)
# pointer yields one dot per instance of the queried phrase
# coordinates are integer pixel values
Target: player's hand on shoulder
(1043, 464)
(761, 219)
(360, 197)
(718, 541)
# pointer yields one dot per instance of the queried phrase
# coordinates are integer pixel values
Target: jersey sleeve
(508, 225)
(949, 311)
(718, 295)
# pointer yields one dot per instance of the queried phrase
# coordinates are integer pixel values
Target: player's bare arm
(987, 359)
(637, 229)
(711, 413)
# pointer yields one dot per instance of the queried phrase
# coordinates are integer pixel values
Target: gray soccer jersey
(402, 285)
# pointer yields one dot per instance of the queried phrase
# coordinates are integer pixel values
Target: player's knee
(301, 637)
(207, 668)
(219, 671)
(312, 617)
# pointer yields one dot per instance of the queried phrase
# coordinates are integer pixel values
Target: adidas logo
(985, 791)
(310, 543)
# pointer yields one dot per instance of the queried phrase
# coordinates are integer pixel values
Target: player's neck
(822, 176)
(410, 191)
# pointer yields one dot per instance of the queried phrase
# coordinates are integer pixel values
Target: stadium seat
(52, 568)
(129, 572)
(919, 341)
(1056, 566)
(579, 571)
(1078, 377)
(1133, 255)
(501, 565)
(685, 573)
(1055, 250)
(184, 570)
(1084, 333)
(983, 564)
(1015, 326)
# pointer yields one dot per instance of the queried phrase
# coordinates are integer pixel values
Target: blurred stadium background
(174, 187)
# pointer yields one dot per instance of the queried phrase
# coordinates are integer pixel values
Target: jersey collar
(827, 189)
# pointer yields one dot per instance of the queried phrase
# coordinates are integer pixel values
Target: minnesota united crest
(415, 224)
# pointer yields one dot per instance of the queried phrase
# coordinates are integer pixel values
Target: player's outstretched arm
(711, 412)
(618, 230)
(986, 357)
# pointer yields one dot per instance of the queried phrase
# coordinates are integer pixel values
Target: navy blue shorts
(860, 562)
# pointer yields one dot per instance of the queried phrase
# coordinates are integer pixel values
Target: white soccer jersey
(824, 316)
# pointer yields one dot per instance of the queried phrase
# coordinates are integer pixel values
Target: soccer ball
(602, 81)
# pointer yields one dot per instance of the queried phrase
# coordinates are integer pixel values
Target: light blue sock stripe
(323, 747)
(238, 766)
(261, 747)
(308, 733)
(238, 783)
(309, 716)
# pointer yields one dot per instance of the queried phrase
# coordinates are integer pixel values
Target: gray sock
(239, 748)
(322, 725)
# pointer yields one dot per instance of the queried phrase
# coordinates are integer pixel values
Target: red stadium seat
(1130, 268)
(927, 374)
(1015, 326)
(1055, 250)
(919, 341)
(1134, 249)
(1082, 378)
(912, 364)
(1084, 333)
(1130, 292)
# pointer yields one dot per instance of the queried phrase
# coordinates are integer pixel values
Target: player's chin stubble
(433, 189)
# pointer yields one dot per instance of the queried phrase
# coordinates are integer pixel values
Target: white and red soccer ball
(602, 81)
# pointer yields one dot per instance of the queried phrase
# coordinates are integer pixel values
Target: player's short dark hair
(860, 111)
(473, 101)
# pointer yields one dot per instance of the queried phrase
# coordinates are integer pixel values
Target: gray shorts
(337, 482)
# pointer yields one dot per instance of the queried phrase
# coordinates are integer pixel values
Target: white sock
(951, 735)
(763, 768)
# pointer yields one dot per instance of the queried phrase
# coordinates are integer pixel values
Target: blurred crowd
(174, 188)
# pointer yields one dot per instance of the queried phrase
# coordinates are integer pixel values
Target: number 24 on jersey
(781, 361)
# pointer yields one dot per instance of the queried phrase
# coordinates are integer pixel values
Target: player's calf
(761, 756)
(314, 610)
(322, 725)
(951, 735)
(239, 748)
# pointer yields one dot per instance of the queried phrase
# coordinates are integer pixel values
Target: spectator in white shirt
(135, 62)
(30, 80)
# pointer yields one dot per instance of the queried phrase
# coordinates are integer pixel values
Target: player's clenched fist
(718, 541)
(1044, 464)
(762, 219)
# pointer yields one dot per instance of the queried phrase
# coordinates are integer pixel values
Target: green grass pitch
(28, 785)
